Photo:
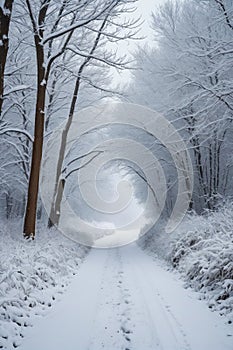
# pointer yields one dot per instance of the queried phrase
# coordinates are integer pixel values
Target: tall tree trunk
(5, 17)
(42, 78)
(33, 187)
(59, 183)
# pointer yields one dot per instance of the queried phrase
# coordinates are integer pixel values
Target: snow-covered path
(122, 299)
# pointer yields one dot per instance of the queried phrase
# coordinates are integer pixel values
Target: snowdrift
(201, 249)
(32, 275)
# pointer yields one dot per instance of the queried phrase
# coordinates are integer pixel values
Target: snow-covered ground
(33, 276)
(123, 299)
(201, 249)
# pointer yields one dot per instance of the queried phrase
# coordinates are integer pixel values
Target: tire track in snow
(162, 331)
(113, 315)
(174, 336)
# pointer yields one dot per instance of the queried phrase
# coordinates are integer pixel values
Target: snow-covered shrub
(32, 275)
(201, 249)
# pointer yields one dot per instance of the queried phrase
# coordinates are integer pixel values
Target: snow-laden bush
(201, 249)
(32, 275)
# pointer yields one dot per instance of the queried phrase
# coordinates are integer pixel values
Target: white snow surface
(201, 250)
(123, 299)
(33, 276)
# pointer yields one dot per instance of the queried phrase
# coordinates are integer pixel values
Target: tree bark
(5, 17)
(59, 184)
(42, 79)
(33, 187)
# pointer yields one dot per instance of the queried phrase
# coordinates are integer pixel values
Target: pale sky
(144, 9)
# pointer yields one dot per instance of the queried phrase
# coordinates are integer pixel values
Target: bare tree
(51, 37)
(107, 59)
(189, 79)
